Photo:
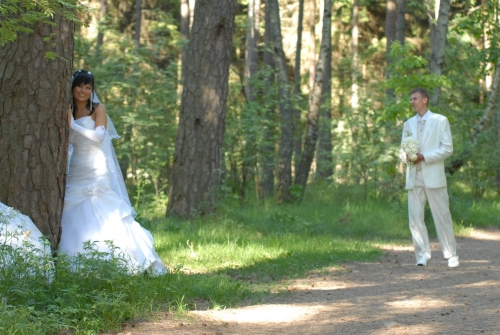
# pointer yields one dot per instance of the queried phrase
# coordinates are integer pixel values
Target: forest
(244, 124)
(276, 133)
(378, 52)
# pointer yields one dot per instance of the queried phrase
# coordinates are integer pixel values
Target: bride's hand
(70, 115)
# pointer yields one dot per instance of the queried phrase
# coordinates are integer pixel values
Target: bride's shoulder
(100, 109)
(100, 115)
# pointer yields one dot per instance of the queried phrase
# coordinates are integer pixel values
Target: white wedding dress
(95, 209)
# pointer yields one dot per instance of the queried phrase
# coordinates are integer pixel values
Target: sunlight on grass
(241, 253)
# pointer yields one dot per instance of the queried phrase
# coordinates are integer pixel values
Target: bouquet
(410, 146)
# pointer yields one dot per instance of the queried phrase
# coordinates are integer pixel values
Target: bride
(96, 204)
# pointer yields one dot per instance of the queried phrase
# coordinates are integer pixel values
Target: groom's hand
(420, 158)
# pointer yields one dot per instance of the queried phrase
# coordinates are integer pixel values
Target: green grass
(242, 253)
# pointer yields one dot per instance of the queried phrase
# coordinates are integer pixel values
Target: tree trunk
(390, 36)
(390, 27)
(195, 178)
(184, 35)
(400, 22)
(138, 20)
(267, 151)
(312, 44)
(251, 52)
(437, 56)
(489, 113)
(286, 110)
(314, 103)
(355, 38)
(102, 18)
(432, 13)
(250, 151)
(34, 97)
(296, 89)
(324, 158)
(128, 162)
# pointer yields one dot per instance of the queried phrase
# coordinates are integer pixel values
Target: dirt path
(390, 297)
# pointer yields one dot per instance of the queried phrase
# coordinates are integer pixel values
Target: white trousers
(440, 209)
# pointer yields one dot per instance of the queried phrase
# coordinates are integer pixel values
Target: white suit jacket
(436, 145)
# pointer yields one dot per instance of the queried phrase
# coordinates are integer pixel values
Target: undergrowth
(242, 253)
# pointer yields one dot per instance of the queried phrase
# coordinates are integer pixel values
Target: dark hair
(83, 77)
(423, 92)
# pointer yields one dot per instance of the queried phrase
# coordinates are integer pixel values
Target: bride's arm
(101, 119)
(101, 122)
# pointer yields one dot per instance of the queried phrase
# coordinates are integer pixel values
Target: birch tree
(314, 102)
(439, 45)
(285, 105)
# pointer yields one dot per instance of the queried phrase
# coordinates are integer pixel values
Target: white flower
(411, 147)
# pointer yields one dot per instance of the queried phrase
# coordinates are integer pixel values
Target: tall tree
(296, 88)
(34, 97)
(390, 26)
(324, 157)
(195, 176)
(432, 14)
(250, 165)
(312, 43)
(400, 22)
(314, 102)
(355, 57)
(267, 151)
(390, 36)
(100, 27)
(439, 44)
(138, 21)
(251, 52)
(286, 110)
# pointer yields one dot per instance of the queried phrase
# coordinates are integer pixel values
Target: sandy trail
(390, 297)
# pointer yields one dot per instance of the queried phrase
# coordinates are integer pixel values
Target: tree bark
(312, 44)
(138, 20)
(432, 13)
(488, 115)
(251, 52)
(390, 26)
(250, 151)
(400, 22)
(324, 157)
(195, 178)
(34, 97)
(390, 36)
(314, 103)
(283, 194)
(102, 18)
(437, 56)
(267, 150)
(296, 89)
(355, 42)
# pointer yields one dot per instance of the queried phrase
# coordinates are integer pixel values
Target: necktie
(421, 125)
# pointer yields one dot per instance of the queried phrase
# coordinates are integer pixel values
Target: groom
(426, 179)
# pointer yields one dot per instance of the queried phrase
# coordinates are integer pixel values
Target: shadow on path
(390, 297)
